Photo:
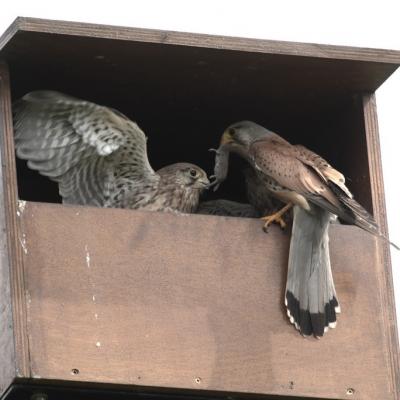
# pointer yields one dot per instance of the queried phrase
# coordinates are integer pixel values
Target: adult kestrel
(98, 156)
(297, 176)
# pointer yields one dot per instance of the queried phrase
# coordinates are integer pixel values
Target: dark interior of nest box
(184, 97)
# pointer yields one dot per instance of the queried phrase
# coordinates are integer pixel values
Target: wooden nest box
(109, 303)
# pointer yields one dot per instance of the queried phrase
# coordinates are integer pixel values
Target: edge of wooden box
(13, 341)
(201, 40)
(7, 349)
(378, 200)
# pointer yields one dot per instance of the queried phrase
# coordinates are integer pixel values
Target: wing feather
(279, 162)
(79, 144)
(322, 167)
(311, 176)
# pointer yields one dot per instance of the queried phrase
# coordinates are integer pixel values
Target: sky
(353, 23)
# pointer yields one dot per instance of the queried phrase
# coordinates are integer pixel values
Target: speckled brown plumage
(98, 156)
(258, 192)
(295, 174)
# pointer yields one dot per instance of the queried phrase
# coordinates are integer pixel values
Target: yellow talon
(276, 217)
(269, 219)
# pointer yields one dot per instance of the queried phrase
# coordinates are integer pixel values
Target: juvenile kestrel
(98, 156)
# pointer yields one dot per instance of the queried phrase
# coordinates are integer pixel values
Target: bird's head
(186, 175)
(237, 138)
(241, 135)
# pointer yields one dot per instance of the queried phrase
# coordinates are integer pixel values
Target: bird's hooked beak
(226, 138)
(204, 182)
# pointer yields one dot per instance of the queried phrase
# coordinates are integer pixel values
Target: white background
(354, 23)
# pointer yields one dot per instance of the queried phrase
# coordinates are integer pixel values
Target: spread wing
(85, 147)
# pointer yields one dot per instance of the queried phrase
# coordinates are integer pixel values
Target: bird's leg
(276, 217)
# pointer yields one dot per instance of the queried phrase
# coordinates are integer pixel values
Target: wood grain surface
(7, 350)
(202, 40)
(152, 299)
(385, 279)
(13, 238)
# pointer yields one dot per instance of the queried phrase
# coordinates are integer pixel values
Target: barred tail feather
(310, 296)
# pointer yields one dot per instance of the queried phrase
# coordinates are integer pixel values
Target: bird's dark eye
(232, 131)
(193, 173)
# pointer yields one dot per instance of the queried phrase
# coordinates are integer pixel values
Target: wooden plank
(211, 41)
(9, 33)
(95, 57)
(10, 237)
(7, 351)
(193, 302)
(307, 75)
(385, 282)
(65, 391)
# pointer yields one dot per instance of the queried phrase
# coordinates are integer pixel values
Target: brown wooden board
(65, 391)
(125, 297)
(7, 350)
(19, 365)
(201, 40)
(131, 58)
(385, 282)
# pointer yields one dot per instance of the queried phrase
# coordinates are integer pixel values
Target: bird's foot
(276, 217)
(269, 219)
